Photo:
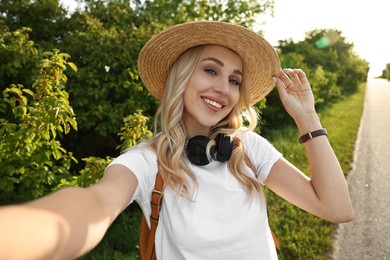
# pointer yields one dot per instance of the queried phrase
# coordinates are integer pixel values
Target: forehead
(225, 54)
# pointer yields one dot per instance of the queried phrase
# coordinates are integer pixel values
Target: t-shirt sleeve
(262, 154)
(142, 161)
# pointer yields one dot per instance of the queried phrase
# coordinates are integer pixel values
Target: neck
(193, 129)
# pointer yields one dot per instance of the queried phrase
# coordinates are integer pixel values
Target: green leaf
(57, 154)
(28, 91)
(45, 134)
(72, 65)
(66, 128)
(22, 170)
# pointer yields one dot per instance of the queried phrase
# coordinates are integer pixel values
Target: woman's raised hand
(295, 93)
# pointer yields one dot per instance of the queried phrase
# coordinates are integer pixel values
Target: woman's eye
(211, 71)
(235, 82)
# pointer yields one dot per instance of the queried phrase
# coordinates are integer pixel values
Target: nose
(223, 87)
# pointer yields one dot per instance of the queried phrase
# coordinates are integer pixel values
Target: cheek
(189, 97)
(235, 96)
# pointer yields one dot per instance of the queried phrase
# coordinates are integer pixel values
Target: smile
(212, 103)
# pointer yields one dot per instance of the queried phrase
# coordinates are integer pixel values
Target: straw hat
(260, 60)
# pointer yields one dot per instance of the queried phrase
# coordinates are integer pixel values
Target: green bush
(32, 159)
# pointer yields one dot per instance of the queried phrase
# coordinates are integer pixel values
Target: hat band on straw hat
(259, 58)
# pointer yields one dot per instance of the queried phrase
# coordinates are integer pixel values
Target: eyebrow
(220, 63)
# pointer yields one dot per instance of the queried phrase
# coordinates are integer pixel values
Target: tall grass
(302, 235)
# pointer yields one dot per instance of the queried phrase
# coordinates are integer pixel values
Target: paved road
(368, 235)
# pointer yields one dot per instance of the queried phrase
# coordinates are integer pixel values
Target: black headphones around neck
(197, 145)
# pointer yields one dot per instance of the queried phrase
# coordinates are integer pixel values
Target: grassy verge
(302, 235)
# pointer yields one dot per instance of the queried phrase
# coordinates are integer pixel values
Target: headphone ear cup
(196, 150)
(224, 144)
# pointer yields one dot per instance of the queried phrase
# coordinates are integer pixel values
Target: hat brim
(260, 60)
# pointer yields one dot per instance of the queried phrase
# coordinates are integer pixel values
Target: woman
(207, 75)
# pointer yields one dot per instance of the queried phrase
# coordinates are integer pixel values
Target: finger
(285, 79)
(281, 87)
(293, 76)
(302, 75)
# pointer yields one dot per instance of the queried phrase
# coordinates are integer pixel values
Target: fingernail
(274, 79)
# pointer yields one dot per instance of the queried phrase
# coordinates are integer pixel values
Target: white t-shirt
(220, 221)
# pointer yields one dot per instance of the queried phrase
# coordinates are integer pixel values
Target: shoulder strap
(149, 252)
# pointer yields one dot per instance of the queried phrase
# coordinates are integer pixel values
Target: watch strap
(306, 137)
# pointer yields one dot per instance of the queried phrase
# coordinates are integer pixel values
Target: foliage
(108, 73)
(333, 70)
(31, 158)
(134, 130)
(330, 50)
(33, 162)
(18, 55)
(386, 72)
(178, 11)
(90, 174)
(46, 18)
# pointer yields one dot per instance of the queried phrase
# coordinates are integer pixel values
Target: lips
(212, 103)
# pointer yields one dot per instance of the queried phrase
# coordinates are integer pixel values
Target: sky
(363, 23)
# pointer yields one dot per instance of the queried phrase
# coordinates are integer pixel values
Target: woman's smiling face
(212, 90)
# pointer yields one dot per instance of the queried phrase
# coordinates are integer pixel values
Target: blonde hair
(170, 133)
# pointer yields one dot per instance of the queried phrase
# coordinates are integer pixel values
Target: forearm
(325, 194)
(63, 225)
(327, 177)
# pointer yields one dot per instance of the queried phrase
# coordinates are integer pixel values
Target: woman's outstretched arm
(325, 193)
(67, 223)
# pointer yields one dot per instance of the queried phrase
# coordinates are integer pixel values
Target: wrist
(308, 123)
(306, 137)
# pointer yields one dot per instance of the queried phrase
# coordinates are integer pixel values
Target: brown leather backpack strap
(150, 253)
(250, 165)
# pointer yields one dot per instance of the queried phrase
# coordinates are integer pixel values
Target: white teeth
(213, 103)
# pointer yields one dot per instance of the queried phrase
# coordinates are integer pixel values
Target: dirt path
(368, 235)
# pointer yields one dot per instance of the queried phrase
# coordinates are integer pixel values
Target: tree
(386, 72)
(330, 64)
(168, 13)
(46, 18)
(330, 50)
(18, 55)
